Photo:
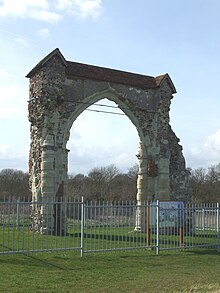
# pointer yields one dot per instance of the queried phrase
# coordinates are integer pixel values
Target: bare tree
(133, 172)
(100, 182)
(76, 185)
(205, 184)
(14, 183)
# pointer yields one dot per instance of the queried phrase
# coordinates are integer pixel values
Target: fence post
(218, 230)
(158, 227)
(203, 219)
(148, 240)
(181, 236)
(181, 212)
(82, 226)
(18, 214)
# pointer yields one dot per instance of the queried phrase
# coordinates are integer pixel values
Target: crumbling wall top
(84, 71)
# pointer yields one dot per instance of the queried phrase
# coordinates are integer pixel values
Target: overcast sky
(181, 38)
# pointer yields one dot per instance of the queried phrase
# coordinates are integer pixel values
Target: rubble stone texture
(60, 91)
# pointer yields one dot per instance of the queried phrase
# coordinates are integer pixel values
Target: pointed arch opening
(102, 159)
(102, 135)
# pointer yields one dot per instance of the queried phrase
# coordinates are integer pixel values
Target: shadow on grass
(136, 237)
(121, 238)
(36, 261)
(52, 264)
(203, 251)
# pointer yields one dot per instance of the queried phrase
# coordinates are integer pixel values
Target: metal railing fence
(91, 227)
(21, 233)
(113, 226)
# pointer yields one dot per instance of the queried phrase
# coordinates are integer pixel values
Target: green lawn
(195, 271)
(96, 238)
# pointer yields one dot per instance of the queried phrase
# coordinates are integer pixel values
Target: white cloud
(39, 10)
(22, 7)
(9, 151)
(212, 146)
(87, 8)
(207, 154)
(83, 158)
(12, 156)
(7, 111)
(44, 15)
(81, 8)
(5, 149)
(65, 4)
(44, 32)
(50, 10)
(123, 160)
(22, 42)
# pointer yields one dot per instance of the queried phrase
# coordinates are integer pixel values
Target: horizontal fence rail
(91, 227)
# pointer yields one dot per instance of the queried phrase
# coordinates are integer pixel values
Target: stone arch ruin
(61, 90)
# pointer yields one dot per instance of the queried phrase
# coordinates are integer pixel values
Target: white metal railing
(91, 227)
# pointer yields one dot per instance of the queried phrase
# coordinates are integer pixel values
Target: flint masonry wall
(60, 91)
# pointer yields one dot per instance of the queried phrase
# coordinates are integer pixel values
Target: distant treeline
(205, 184)
(108, 183)
(14, 183)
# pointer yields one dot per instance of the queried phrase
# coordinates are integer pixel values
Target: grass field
(97, 238)
(195, 271)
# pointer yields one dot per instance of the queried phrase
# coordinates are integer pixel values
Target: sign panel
(171, 214)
